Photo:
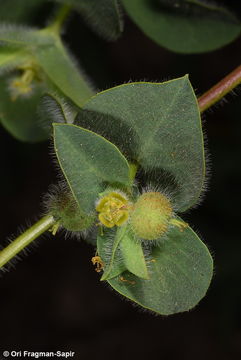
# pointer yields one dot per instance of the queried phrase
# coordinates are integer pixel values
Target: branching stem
(218, 91)
(26, 238)
(208, 99)
(59, 19)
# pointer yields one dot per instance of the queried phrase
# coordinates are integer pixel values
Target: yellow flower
(113, 209)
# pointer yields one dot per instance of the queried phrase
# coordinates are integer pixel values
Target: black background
(53, 299)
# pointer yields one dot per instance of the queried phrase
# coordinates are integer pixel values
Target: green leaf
(19, 11)
(22, 36)
(109, 251)
(159, 126)
(54, 61)
(120, 251)
(11, 58)
(187, 26)
(133, 256)
(57, 73)
(180, 273)
(102, 15)
(19, 117)
(61, 70)
(88, 162)
(55, 108)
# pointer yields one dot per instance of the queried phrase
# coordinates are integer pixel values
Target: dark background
(53, 299)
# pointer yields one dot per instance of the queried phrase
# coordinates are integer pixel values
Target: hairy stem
(26, 238)
(218, 91)
(59, 19)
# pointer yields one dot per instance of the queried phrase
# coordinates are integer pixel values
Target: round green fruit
(151, 214)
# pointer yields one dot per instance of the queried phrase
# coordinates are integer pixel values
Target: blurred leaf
(180, 273)
(19, 11)
(19, 117)
(22, 36)
(51, 65)
(61, 70)
(102, 15)
(10, 58)
(88, 161)
(159, 126)
(186, 26)
(53, 59)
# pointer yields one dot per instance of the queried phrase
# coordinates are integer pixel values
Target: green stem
(133, 170)
(59, 19)
(218, 91)
(26, 238)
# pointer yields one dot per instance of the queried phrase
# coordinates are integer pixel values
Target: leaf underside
(23, 36)
(54, 108)
(103, 16)
(61, 70)
(187, 26)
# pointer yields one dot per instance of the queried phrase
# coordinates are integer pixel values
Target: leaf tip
(104, 277)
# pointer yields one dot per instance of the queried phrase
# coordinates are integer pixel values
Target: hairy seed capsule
(64, 208)
(151, 214)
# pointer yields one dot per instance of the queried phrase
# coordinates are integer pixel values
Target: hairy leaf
(133, 255)
(22, 36)
(120, 251)
(19, 116)
(11, 58)
(102, 15)
(55, 108)
(186, 26)
(159, 126)
(180, 273)
(88, 161)
(109, 251)
(61, 70)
